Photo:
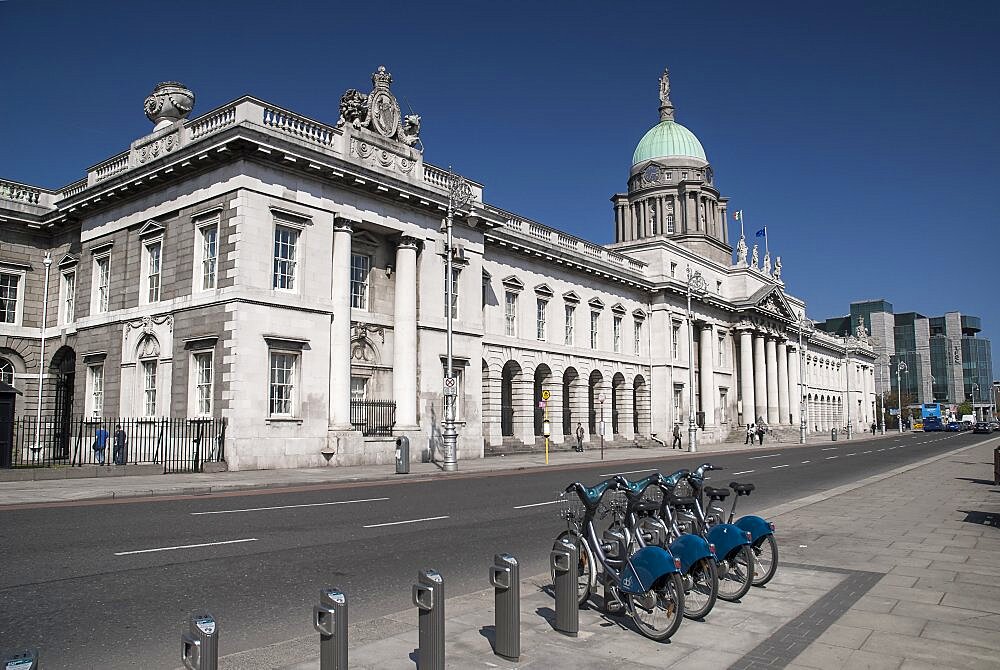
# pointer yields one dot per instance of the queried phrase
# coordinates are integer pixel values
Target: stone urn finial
(169, 101)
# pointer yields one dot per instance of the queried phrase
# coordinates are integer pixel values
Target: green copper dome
(668, 138)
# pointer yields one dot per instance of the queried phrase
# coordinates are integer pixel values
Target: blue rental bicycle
(646, 584)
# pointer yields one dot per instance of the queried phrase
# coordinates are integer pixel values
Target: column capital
(409, 242)
(343, 225)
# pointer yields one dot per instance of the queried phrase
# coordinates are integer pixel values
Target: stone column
(340, 327)
(782, 354)
(725, 224)
(404, 346)
(746, 376)
(555, 408)
(706, 366)
(794, 389)
(772, 382)
(759, 378)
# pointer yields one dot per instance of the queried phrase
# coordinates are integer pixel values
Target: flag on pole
(761, 233)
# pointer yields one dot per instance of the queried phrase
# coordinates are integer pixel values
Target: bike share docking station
(330, 621)
(22, 660)
(505, 576)
(200, 649)
(565, 559)
(428, 596)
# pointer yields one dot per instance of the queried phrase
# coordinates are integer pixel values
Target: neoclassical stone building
(283, 273)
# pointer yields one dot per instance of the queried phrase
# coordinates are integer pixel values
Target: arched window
(6, 371)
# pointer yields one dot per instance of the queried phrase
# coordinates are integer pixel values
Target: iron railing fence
(373, 417)
(178, 444)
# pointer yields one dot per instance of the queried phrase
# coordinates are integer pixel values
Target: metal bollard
(565, 558)
(22, 660)
(330, 621)
(505, 576)
(201, 645)
(428, 596)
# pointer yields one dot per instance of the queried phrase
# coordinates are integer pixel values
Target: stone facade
(277, 271)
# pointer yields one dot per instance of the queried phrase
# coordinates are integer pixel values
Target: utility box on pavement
(833, 434)
(402, 455)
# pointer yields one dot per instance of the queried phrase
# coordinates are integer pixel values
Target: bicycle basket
(571, 509)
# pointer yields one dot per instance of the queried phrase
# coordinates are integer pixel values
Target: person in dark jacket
(120, 454)
(677, 438)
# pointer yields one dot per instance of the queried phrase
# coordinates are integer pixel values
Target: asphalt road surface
(110, 584)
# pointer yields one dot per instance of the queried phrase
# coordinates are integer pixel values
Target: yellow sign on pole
(546, 395)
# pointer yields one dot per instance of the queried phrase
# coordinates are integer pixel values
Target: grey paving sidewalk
(61, 490)
(903, 572)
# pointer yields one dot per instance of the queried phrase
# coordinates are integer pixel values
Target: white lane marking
(854, 454)
(767, 456)
(831, 457)
(184, 546)
(880, 450)
(261, 509)
(775, 467)
(630, 472)
(829, 448)
(397, 523)
(804, 462)
(742, 472)
(867, 452)
(548, 502)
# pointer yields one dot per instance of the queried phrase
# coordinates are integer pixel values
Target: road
(110, 584)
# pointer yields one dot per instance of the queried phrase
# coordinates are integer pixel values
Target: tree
(892, 403)
(965, 409)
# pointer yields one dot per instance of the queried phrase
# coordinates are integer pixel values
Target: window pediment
(512, 283)
(543, 290)
(571, 296)
(596, 303)
(150, 229)
(618, 308)
(638, 314)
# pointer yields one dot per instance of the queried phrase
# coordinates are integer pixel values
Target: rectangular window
(541, 306)
(637, 337)
(617, 330)
(454, 291)
(594, 323)
(203, 364)
(675, 340)
(510, 313)
(670, 223)
(149, 388)
(285, 242)
(722, 351)
(282, 383)
(95, 390)
(361, 265)
(570, 311)
(9, 285)
(723, 405)
(459, 373)
(673, 269)
(102, 283)
(359, 388)
(209, 255)
(152, 265)
(678, 403)
(67, 297)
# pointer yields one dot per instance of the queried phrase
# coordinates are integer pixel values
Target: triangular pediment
(69, 260)
(771, 300)
(512, 283)
(596, 303)
(571, 296)
(151, 228)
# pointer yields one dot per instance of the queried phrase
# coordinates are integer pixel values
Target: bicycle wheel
(704, 579)
(586, 565)
(766, 560)
(658, 612)
(736, 574)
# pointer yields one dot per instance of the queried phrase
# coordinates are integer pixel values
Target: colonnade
(769, 376)
(683, 212)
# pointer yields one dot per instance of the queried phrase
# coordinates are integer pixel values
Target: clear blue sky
(864, 135)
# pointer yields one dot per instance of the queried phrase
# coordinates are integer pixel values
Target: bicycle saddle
(742, 489)
(716, 494)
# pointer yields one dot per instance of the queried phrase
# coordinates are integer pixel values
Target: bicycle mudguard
(644, 567)
(726, 537)
(690, 549)
(757, 527)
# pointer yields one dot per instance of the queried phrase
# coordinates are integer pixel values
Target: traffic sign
(546, 395)
(451, 386)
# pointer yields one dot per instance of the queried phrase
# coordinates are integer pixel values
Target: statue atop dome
(666, 107)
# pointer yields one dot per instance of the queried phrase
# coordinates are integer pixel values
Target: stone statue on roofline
(767, 262)
(755, 259)
(777, 269)
(741, 253)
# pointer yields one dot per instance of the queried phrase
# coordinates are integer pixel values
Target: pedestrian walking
(760, 433)
(677, 438)
(873, 427)
(100, 444)
(751, 433)
(579, 437)
(120, 453)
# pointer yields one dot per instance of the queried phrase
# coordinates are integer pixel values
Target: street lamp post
(37, 447)
(900, 368)
(883, 364)
(974, 387)
(806, 327)
(459, 196)
(695, 284)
